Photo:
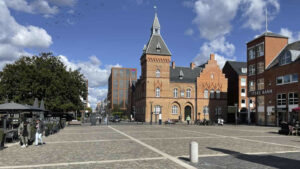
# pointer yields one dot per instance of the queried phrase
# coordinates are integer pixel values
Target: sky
(95, 35)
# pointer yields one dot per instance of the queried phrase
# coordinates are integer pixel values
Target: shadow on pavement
(267, 160)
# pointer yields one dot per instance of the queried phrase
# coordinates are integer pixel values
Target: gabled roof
(157, 46)
(294, 48)
(269, 34)
(189, 75)
(237, 66)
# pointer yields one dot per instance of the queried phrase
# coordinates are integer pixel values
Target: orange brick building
(177, 92)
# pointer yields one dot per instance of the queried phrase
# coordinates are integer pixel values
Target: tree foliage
(43, 77)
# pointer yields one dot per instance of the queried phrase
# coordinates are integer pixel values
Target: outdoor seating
(172, 121)
(11, 135)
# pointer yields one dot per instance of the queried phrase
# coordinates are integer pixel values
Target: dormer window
(244, 70)
(285, 58)
(181, 74)
(158, 47)
(156, 30)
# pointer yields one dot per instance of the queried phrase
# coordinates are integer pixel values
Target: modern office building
(118, 84)
(236, 73)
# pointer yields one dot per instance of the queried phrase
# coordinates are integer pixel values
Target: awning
(296, 109)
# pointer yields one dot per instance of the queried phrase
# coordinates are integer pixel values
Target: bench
(172, 121)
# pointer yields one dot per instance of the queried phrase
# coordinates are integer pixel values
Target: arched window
(212, 94)
(157, 73)
(174, 109)
(205, 93)
(188, 93)
(157, 109)
(157, 92)
(175, 93)
(218, 95)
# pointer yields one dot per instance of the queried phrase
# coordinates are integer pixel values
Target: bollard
(194, 152)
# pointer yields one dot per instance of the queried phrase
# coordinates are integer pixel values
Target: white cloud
(189, 32)
(15, 38)
(218, 46)
(292, 36)
(96, 74)
(69, 3)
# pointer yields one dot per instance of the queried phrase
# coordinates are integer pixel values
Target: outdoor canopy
(15, 107)
(297, 108)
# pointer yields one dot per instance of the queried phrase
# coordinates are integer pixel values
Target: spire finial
(266, 19)
(155, 9)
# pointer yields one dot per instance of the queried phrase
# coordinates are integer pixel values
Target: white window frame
(157, 73)
(188, 93)
(244, 70)
(251, 53)
(174, 109)
(281, 101)
(205, 94)
(251, 85)
(251, 70)
(157, 92)
(260, 84)
(243, 93)
(157, 109)
(243, 81)
(175, 92)
(293, 100)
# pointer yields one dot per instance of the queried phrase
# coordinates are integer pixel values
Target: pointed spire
(155, 26)
(42, 105)
(36, 103)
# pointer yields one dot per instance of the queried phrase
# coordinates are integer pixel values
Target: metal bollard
(194, 152)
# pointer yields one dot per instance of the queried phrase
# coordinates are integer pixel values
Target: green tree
(43, 77)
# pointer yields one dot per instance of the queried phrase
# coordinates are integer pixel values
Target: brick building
(266, 63)
(236, 73)
(118, 84)
(177, 92)
(282, 82)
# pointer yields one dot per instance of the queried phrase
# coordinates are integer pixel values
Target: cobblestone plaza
(153, 146)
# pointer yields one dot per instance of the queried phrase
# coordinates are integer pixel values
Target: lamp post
(151, 113)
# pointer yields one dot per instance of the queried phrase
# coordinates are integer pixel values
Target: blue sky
(95, 35)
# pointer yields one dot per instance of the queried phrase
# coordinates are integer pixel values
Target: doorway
(187, 112)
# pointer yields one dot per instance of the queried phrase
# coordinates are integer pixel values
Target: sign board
(261, 92)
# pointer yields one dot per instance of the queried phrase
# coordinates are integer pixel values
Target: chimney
(212, 56)
(192, 65)
(173, 65)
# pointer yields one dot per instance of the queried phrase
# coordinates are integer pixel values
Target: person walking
(24, 133)
(188, 118)
(159, 118)
(39, 132)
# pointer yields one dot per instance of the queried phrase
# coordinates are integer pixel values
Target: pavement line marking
(174, 138)
(255, 131)
(86, 141)
(89, 133)
(252, 153)
(81, 163)
(174, 159)
(238, 138)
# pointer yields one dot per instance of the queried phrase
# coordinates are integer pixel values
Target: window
(287, 79)
(244, 70)
(157, 109)
(260, 84)
(295, 78)
(251, 54)
(174, 109)
(243, 81)
(260, 50)
(175, 93)
(285, 58)
(218, 94)
(260, 67)
(243, 92)
(205, 110)
(293, 98)
(205, 93)
(182, 93)
(157, 73)
(157, 93)
(281, 99)
(243, 101)
(279, 80)
(251, 70)
(188, 93)
(212, 94)
(251, 86)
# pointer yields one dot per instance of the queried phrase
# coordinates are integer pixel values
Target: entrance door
(187, 112)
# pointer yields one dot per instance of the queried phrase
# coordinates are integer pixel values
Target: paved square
(166, 146)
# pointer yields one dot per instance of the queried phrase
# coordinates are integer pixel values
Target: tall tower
(155, 64)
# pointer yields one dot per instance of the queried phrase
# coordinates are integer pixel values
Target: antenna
(266, 19)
